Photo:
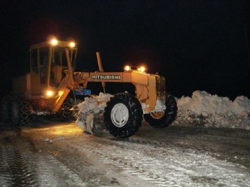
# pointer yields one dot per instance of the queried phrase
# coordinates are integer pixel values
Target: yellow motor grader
(52, 77)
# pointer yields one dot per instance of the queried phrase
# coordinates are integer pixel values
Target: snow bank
(200, 109)
(214, 111)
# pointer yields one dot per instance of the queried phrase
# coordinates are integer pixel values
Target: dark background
(195, 44)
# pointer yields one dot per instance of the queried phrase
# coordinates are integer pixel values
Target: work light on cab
(72, 44)
(54, 41)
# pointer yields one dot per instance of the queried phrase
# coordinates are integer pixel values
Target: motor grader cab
(52, 76)
(51, 69)
(44, 88)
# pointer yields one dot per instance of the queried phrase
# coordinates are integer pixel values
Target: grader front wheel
(123, 115)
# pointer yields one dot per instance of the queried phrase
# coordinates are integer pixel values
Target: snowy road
(47, 154)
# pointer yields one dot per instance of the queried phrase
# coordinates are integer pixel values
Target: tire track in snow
(209, 147)
(68, 177)
(25, 166)
(5, 177)
(157, 162)
(19, 169)
(152, 163)
(126, 164)
(53, 172)
(45, 172)
(191, 161)
(65, 158)
(76, 172)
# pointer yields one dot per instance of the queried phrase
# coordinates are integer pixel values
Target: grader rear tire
(6, 109)
(166, 118)
(20, 112)
(123, 115)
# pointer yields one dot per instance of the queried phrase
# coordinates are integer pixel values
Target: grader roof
(48, 44)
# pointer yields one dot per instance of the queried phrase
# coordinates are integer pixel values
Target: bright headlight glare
(72, 44)
(127, 68)
(141, 69)
(49, 93)
(54, 42)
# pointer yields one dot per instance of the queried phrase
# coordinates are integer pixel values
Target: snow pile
(214, 111)
(90, 110)
(200, 109)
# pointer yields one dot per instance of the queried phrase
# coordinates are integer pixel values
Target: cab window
(44, 61)
(34, 60)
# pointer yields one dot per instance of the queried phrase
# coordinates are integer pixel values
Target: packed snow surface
(201, 108)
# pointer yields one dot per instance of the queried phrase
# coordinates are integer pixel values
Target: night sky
(195, 44)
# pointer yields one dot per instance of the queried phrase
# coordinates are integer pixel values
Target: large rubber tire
(123, 115)
(6, 109)
(167, 118)
(20, 113)
(64, 113)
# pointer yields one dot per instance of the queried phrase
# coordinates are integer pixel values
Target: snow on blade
(214, 111)
(89, 109)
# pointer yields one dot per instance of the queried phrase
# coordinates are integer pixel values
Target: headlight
(49, 93)
(127, 68)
